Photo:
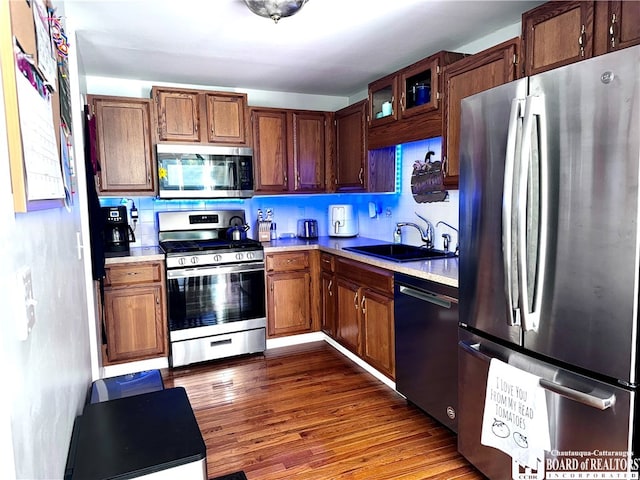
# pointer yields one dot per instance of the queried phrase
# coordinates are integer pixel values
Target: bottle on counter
(274, 231)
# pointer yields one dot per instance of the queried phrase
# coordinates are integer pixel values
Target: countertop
(135, 254)
(444, 271)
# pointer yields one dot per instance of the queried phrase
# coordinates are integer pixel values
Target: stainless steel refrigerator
(550, 251)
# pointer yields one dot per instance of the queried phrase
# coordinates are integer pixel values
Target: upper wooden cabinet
(556, 34)
(355, 168)
(482, 71)
(617, 26)
(291, 150)
(405, 106)
(559, 33)
(310, 154)
(270, 156)
(226, 118)
(350, 162)
(200, 116)
(124, 144)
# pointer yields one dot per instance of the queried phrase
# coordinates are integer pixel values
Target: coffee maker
(117, 232)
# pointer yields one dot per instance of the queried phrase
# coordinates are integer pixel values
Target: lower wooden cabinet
(364, 309)
(290, 293)
(134, 312)
(328, 305)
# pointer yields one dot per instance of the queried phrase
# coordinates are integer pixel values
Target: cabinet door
(309, 156)
(624, 27)
(178, 115)
(417, 83)
(383, 101)
(351, 149)
(289, 303)
(482, 71)
(328, 299)
(348, 332)
(134, 323)
(556, 34)
(124, 144)
(270, 150)
(226, 118)
(378, 339)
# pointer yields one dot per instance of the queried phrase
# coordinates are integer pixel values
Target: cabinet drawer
(327, 262)
(133, 273)
(285, 262)
(370, 277)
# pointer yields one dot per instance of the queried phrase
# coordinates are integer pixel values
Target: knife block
(264, 231)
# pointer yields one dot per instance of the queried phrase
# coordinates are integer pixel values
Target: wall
(256, 98)
(47, 375)
(390, 207)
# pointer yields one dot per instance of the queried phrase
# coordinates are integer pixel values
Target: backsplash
(390, 208)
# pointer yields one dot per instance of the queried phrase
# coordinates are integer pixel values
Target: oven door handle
(202, 271)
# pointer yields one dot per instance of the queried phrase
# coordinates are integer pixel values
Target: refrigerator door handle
(531, 308)
(598, 398)
(601, 402)
(517, 110)
(474, 350)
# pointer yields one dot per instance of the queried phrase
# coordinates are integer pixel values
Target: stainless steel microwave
(204, 171)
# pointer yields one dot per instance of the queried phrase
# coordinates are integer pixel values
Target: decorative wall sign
(427, 181)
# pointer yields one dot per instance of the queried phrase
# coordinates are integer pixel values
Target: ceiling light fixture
(275, 9)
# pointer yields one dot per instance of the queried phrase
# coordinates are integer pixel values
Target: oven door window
(212, 299)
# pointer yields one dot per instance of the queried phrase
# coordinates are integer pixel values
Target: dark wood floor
(307, 412)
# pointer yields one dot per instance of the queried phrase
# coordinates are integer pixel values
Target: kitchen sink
(398, 252)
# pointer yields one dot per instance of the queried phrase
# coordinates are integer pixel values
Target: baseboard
(319, 336)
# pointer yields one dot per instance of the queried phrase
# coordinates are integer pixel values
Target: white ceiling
(330, 47)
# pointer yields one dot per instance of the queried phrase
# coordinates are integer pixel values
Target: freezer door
(589, 298)
(576, 421)
(490, 122)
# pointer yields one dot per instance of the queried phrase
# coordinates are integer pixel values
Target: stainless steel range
(215, 286)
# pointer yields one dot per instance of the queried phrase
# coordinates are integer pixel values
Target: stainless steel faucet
(447, 237)
(426, 235)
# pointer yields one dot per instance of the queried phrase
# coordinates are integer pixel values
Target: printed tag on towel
(515, 417)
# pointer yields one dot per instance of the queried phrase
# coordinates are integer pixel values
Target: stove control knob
(217, 257)
(194, 260)
(182, 261)
(239, 256)
(251, 255)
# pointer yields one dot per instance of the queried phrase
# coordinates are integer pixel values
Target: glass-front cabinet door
(419, 87)
(383, 100)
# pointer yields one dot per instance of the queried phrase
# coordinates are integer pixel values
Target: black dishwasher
(426, 331)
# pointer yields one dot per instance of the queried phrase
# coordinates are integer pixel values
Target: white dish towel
(515, 418)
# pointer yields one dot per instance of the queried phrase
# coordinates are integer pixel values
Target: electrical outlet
(26, 318)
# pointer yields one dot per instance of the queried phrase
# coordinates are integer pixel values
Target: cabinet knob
(329, 288)
(360, 176)
(362, 302)
(355, 301)
(581, 40)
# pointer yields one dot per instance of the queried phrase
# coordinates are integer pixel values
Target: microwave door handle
(516, 113)
(233, 176)
(534, 109)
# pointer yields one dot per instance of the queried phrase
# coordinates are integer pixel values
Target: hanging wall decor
(427, 181)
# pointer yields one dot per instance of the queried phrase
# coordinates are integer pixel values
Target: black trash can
(126, 386)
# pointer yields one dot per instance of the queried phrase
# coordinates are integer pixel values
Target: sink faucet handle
(447, 240)
(429, 230)
(397, 234)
